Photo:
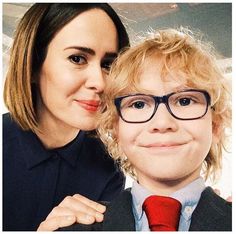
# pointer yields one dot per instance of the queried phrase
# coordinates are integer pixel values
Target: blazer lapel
(119, 214)
(212, 213)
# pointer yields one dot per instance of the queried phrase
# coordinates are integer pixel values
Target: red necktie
(163, 213)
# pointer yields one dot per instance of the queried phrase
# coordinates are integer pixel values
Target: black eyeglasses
(183, 105)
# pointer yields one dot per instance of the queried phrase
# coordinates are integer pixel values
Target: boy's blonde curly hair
(180, 52)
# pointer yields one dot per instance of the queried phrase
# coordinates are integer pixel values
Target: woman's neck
(54, 133)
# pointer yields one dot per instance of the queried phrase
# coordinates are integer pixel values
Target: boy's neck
(165, 188)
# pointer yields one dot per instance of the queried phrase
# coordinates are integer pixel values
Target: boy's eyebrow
(91, 51)
(180, 88)
(175, 89)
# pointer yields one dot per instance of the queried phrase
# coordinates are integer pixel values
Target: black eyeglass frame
(163, 99)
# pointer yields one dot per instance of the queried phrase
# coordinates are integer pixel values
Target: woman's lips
(89, 105)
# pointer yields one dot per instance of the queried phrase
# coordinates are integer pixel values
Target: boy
(166, 111)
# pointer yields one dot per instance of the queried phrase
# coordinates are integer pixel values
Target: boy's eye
(184, 101)
(77, 59)
(138, 105)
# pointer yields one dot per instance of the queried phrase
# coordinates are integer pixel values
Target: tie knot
(162, 212)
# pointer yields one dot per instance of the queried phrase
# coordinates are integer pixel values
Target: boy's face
(165, 152)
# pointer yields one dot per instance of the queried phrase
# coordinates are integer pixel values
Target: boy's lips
(164, 148)
(167, 144)
(89, 105)
(164, 145)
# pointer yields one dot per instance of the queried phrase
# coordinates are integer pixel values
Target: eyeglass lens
(182, 105)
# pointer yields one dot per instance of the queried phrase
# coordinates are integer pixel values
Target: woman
(59, 61)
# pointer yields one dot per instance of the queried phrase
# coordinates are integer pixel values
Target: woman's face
(74, 72)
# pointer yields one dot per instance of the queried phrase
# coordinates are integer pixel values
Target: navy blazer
(211, 214)
(36, 179)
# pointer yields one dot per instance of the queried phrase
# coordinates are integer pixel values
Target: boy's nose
(163, 121)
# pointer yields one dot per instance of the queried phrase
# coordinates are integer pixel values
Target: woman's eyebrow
(110, 55)
(81, 48)
(91, 51)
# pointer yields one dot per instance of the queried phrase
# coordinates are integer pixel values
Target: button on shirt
(36, 179)
(188, 196)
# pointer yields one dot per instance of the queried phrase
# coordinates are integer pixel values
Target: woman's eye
(106, 64)
(78, 59)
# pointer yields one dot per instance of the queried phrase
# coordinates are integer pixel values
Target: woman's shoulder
(11, 135)
(94, 148)
(7, 119)
(9, 125)
(12, 131)
(92, 141)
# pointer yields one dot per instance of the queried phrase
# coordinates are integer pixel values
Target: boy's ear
(116, 130)
(116, 133)
(216, 130)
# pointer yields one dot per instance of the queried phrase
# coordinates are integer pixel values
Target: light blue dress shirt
(187, 196)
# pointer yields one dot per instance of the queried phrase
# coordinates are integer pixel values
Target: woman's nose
(96, 79)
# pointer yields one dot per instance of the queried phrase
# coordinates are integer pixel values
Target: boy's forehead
(156, 67)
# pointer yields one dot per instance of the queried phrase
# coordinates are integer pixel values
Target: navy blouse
(36, 179)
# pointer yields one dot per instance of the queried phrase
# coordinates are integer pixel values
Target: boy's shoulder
(212, 213)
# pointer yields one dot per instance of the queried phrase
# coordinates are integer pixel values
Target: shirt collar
(71, 151)
(31, 148)
(139, 194)
(188, 196)
(35, 153)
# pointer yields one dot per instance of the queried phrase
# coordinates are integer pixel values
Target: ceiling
(214, 20)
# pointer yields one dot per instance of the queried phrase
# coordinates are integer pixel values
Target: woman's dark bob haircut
(35, 31)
